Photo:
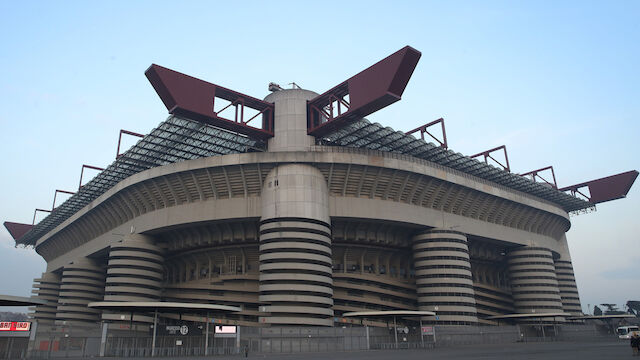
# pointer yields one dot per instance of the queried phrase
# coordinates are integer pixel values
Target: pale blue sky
(557, 82)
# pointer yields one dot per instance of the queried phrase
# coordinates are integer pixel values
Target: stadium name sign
(15, 326)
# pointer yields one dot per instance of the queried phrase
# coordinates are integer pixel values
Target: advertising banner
(15, 326)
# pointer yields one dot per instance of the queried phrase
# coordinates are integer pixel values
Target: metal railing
(403, 346)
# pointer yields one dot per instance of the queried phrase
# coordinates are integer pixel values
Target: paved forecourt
(599, 350)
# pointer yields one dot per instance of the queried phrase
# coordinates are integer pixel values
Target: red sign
(428, 330)
(15, 326)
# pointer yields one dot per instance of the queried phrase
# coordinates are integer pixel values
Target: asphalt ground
(601, 350)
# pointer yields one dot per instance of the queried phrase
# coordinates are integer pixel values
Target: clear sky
(557, 82)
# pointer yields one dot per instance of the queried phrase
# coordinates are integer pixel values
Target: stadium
(298, 211)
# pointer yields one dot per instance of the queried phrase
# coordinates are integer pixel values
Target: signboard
(224, 331)
(219, 329)
(177, 329)
(15, 326)
(428, 330)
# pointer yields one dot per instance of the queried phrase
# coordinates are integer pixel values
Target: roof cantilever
(194, 99)
(17, 230)
(605, 189)
(378, 86)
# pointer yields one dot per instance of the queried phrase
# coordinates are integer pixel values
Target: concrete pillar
(47, 287)
(296, 285)
(82, 282)
(134, 273)
(534, 285)
(566, 280)
(443, 277)
(568, 288)
(135, 270)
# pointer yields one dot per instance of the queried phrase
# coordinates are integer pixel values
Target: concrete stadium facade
(302, 233)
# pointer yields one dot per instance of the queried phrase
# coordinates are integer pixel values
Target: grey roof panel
(364, 134)
(175, 139)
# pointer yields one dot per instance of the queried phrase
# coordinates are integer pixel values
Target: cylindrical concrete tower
(568, 287)
(443, 277)
(47, 287)
(295, 248)
(533, 280)
(296, 285)
(82, 282)
(567, 280)
(290, 120)
(134, 272)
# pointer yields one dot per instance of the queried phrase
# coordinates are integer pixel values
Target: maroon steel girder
(35, 212)
(126, 132)
(535, 174)
(55, 195)
(194, 99)
(17, 230)
(487, 155)
(423, 130)
(84, 166)
(378, 86)
(606, 189)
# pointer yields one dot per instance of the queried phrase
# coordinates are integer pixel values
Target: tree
(633, 306)
(11, 316)
(596, 310)
(612, 309)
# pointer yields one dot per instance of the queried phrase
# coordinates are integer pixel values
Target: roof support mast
(487, 156)
(535, 175)
(424, 130)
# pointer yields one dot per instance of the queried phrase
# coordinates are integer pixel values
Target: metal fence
(170, 346)
(51, 343)
(304, 339)
(13, 347)
(403, 346)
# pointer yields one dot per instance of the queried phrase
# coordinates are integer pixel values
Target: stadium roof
(388, 313)
(364, 134)
(602, 317)
(528, 316)
(195, 130)
(161, 305)
(175, 139)
(10, 300)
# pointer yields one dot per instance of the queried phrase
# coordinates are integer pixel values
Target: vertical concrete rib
(568, 288)
(134, 271)
(47, 287)
(296, 285)
(443, 277)
(82, 282)
(533, 280)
